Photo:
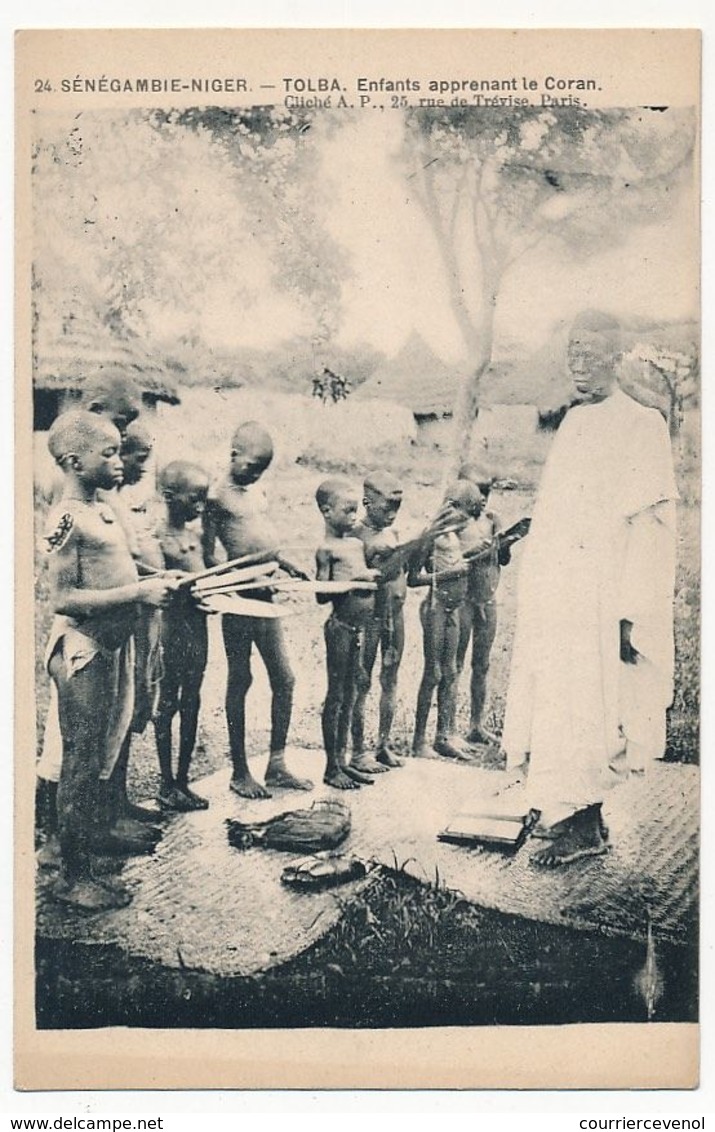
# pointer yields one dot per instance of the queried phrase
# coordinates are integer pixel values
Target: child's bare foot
(422, 751)
(179, 800)
(127, 827)
(358, 776)
(247, 787)
(113, 844)
(50, 855)
(449, 749)
(197, 801)
(387, 757)
(142, 813)
(280, 778)
(339, 779)
(367, 765)
(482, 736)
(580, 838)
(113, 884)
(87, 895)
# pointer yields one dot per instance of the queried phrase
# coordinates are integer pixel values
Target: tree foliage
(496, 183)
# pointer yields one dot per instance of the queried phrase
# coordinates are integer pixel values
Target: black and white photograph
(364, 420)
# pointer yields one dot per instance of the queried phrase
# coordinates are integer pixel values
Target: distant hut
(416, 378)
(73, 356)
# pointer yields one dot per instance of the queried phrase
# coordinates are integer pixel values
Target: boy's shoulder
(67, 518)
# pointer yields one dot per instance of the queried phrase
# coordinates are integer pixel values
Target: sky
(398, 284)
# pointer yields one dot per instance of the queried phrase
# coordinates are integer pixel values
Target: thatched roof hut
(72, 356)
(415, 378)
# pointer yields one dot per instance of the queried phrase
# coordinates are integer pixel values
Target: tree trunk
(466, 407)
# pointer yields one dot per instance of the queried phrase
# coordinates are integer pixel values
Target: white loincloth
(78, 650)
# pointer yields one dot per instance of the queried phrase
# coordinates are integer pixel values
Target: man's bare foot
(579, 839)
(367, 765)
(340, 780)
(87, 895)
(358, 776)
(551, 832)
(280, 778)
(482, 737)
(387, 757)
(247, 787)
(449, 749)
(181, 801)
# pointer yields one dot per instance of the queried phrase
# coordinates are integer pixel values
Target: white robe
(601, 548)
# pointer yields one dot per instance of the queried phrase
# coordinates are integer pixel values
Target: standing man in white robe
(592, 667)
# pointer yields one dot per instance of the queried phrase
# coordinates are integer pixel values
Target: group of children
(129, 641)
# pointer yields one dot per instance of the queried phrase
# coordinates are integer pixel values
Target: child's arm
(420, 573)
(323, 571)
(290, 568)
(209, 532)
(70, 599)
(417, 571)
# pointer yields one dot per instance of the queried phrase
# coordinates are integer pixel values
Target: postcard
(358, 465)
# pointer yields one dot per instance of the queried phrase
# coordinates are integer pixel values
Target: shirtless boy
(443, 568)
(385, 628)
(118, 399)
(237, 515)
(479, 539)
(94, 592)
(139, 519)
(184, 635)
(341, 558)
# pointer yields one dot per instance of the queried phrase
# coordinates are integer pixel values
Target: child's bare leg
(126, 818)
(271, 645)
(238, 635)
(432, 619)
(485, 626)
(83, 743)
(49, 856)
(166, 710)
(360, 760)
(188, 726)
(393, 645)
(338, 651)
(190, 705)
(447, 689)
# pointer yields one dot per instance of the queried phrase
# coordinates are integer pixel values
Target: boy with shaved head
(385, 628)
(184, 635)
(237, 515)
(94, 592)
(114, 395)
(443, 568)
(341, 558)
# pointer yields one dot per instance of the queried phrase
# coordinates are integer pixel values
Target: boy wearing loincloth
(140, 519)
(341, 558)
(184, 488)
(385, 628)
(480, 543)
(442, 567)
(118, 399)
(95, 591)
(237, 515)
